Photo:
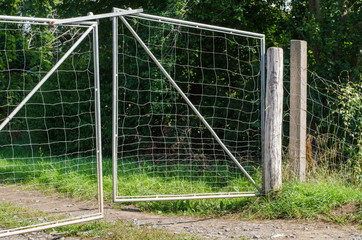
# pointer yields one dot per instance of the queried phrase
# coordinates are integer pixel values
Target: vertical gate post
(115, 106)
(97, 111)
(298, 108)
(272, 165)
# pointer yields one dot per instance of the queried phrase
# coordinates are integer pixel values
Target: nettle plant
(350, 110)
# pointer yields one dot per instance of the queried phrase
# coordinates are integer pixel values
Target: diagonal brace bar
(196, 25)
(174, 84)
(45, 78)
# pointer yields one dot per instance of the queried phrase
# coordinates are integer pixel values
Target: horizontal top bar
(120, 199)
(79, 20)
(98, 16)
(196, 25)
(31, 19)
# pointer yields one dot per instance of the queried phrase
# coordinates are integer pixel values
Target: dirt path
(207, 228)
(228, 228)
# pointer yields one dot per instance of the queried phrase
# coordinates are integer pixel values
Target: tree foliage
(333, 33)
(27, 53)
(331, 28)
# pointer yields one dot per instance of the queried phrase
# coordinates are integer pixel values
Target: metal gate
(188, 112)
(50, 134)
(50, 124)
(188, 115)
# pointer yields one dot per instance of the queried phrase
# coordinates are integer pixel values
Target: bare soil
(205, 228)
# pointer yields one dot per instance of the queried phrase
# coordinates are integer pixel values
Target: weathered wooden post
(298, 108)
(272, 166)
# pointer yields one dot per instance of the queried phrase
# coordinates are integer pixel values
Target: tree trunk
(315, 7)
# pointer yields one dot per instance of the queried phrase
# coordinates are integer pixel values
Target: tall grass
(295, 200)
(77, 178)
(119, 230)
(19, 216)
(321, 194)
(14, 216)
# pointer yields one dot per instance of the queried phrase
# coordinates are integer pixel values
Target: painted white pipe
(161, 198)
(36, 228)
(97, 110)
(98, 16)
(115, 108)
(196, 25)
(70, 20)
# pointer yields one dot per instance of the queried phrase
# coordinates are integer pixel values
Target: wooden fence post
(298, 108)
(272, 166)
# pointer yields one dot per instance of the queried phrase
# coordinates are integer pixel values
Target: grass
(118, 230)
(307, 200)
(77, 178)
(317, 198)
(311, 200)
(14, 216)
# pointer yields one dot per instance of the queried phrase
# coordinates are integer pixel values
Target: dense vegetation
(315, 199)
(331, 28)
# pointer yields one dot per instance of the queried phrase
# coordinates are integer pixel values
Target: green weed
(12, 216)
(16, 216)
(118, 230)
(324, 192)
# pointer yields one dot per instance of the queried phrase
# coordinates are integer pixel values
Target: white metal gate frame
(88, 21)
(91, 26)
(261, 37)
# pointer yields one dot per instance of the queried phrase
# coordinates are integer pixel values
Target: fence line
(334, 124)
